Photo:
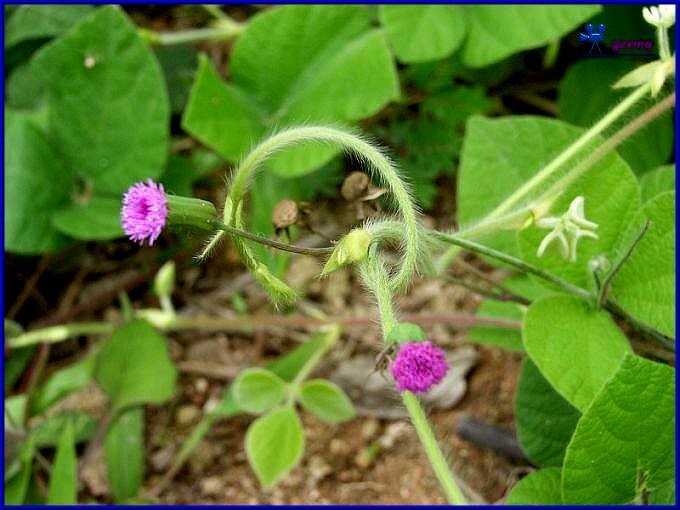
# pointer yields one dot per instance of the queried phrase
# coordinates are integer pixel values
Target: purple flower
(419, 366)
(144, 212)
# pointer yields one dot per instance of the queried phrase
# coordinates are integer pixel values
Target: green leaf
(36, 185)
(61, 383)
(419, 33)
(16, 363)
(326, 401)
(576, 348)
(24, 90)
(134, 367)
(48, 431)
(657, 181)
(645, 284)
(330, 67)
(510, 339)
(274, 444)
(498, 156)
(42, 21)
(663, 494)
(545, 420)
(111, 138)
(538, 488)
(124, 451)
(497, 31)
(625, 439)
(96, 220)
(17, 486)
(63, 478)
(14, 415)
(178, 63)
(612, 200)
(585, 95)
(286, 367)
(406, 332)
(257, 390)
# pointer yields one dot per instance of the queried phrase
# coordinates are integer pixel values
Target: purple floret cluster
(419, 366)
(144, 212)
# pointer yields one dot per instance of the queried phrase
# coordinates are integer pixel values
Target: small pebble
(187, 415)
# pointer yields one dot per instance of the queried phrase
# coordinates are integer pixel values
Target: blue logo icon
(592, 36)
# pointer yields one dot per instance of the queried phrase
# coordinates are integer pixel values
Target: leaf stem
(513, 261)
(224, 29)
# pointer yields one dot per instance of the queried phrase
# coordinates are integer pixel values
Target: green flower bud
(406, 332)
(351, 249)
(280, 293)
(191, 212)
(164, 283)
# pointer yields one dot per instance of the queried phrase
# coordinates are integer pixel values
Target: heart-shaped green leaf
(624, 443)
(326, 401)
(134, 367)
(538, 488)
(274, 444)
(257, 390)
(419, 33)
(104, 135)
(576, 347)
(645, 284)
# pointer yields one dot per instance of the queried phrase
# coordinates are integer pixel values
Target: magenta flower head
(145, 212)
(419, 366)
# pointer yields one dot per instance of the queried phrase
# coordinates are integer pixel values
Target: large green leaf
(61, 383)
(577, 348)
(134, 367)
(124, 451)
(500, 155)
(274, 444)
(330, 67)
(98, 219)
(645, 284)
(36, 185)
(42, 21)
(585, 95)
(419, 33)
(657, 181)
(63, 479)
(538, 488)
(545, 420)
(497, 31)
(625, 439)
(108, 104)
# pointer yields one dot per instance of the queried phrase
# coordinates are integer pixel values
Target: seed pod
(285, 214)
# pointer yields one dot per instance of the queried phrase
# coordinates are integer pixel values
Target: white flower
(567, 230)
(662, 16)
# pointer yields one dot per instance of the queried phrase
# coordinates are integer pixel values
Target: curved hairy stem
(377, 162)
